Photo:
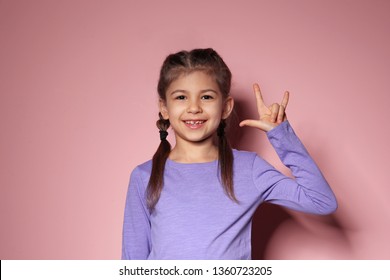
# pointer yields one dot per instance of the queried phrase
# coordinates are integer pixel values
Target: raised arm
(308, 191)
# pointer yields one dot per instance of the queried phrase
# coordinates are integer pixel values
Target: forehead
(194, 81)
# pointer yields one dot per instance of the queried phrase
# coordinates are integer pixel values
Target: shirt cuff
(280, 130)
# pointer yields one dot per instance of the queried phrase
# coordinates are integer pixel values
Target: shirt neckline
(191, 164)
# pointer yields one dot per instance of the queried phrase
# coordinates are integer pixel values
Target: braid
(174, 66)
(156, 180)
(225, 155)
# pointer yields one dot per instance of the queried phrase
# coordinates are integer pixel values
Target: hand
(269, 117)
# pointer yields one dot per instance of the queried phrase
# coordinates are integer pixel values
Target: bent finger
(274, 112)
(281, 114)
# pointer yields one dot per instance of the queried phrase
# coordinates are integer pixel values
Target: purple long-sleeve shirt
(195, 219)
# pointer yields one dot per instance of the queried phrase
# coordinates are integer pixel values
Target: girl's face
(195, 106)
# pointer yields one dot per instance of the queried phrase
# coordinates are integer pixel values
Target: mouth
(194, 124)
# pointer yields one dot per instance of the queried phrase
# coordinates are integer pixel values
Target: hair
(174, 66)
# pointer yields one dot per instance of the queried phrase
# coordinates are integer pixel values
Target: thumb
(257, 124)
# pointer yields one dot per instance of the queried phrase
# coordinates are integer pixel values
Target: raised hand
(269, 117)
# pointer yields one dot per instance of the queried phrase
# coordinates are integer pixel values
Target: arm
(309, 192)
(136, 226)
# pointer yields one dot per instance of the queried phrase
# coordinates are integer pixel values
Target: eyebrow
(186, 91)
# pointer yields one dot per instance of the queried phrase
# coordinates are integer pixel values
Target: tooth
(194, 122)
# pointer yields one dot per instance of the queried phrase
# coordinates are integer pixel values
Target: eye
(180, 97)
(207, 97)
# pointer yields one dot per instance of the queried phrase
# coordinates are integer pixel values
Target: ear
(227, 107)
(163, 109)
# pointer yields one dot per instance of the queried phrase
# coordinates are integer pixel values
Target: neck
(194, 152)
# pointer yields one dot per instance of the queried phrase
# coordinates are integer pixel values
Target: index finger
(285, 99)
(259, 96)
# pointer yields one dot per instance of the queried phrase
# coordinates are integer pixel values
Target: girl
(196, 201)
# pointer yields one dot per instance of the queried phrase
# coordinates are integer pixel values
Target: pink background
(78, 106)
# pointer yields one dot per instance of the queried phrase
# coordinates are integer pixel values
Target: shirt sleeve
(308, 192)
(136, 226)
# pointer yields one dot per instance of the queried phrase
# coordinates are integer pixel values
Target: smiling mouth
(194, 124)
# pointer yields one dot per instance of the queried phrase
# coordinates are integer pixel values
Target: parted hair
(174, 66)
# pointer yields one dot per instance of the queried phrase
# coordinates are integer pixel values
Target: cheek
(216, 111)
(174, 112)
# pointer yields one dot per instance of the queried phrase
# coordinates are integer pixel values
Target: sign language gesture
(269, 117)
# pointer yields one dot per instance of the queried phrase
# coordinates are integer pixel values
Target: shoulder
(144, 168)
(243, 155)
(244, 158)
(141, 173)
(248, 160)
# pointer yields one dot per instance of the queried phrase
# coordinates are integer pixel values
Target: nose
(194, 107)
